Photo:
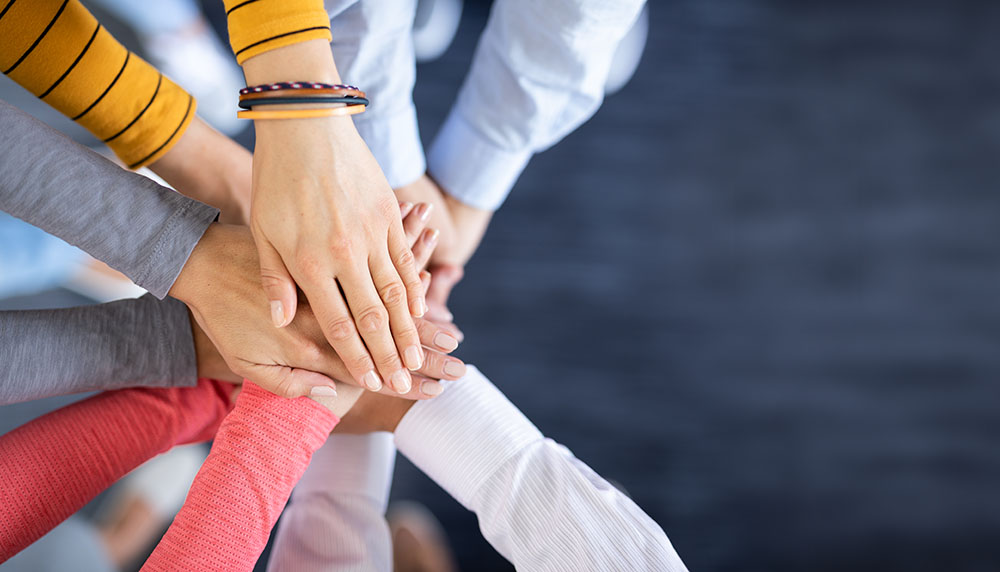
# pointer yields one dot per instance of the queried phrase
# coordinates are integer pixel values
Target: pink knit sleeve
(259, 453)
(55, 464)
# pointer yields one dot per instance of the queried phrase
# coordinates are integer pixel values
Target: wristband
(301, 113)
(249, 104)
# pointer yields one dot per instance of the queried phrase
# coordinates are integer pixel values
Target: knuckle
(342, 248)
(362, 363)
(309, 264)
(340, 329)
(372, 320)
(389, 362)
(310, 352)
(393, 294)
(404, 258)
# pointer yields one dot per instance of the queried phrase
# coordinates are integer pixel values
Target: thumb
(277, 284)
(290, 382)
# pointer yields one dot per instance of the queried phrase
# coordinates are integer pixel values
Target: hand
(210, 362)
(340, 400)
(220, 284)
(374, 412)
(462, 228)
(324, 218)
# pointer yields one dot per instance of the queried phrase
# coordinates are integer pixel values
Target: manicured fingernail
(401, 381)
(431, 236)
(413, 357)
(418, 308)
(323, 391)
(445, 341)
(371, 381)
(454, 368)
(277, 313)
(405, 208)
(425, 211)
(431, 388)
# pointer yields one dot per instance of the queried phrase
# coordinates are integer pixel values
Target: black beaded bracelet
(251, 103)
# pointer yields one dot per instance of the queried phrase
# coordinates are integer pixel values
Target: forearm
(335, 520)
(126, 220)
(129, 343)
(55, 464)
(57, 50)
(541, 508)
(259, 453)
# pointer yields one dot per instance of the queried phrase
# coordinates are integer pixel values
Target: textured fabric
(129, 343)
(136, 226)
(55, 464)
(539, 506)
(57, 50)
(259, 453)
(258, 26)
(335, 521)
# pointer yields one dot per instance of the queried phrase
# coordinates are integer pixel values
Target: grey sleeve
(136, 226)
(128, 343)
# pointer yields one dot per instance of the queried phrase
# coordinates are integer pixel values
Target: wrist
(213, 253)
(305, 61)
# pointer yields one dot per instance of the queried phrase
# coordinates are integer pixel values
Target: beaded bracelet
(298, 85)
(280, 100)
(301, 113)
(301, 93)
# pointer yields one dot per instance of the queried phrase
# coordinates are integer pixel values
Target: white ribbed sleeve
(539, 506)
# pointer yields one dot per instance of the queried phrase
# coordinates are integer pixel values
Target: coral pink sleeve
(259, 453)
(55, 464)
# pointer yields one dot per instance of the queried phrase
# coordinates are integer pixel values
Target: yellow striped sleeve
(258, 26)
(58, 51)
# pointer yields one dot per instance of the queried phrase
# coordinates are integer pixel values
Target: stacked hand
(461, 230)
(221, 286)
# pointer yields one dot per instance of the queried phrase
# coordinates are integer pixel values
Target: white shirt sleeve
(335, 520)
(373, 49)
(539, 506)
(538, 73)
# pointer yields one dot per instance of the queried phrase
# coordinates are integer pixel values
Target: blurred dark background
(757, 288)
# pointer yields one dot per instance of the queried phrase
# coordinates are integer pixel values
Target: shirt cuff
(460, 438)
(181, 233)
(352, 464)
(394, 140)
(471, 168)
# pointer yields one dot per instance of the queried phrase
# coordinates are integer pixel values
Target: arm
(538, 505)
(58, 51)
(538, 74)
(55, 464)
(126, 220)
(321, 207)
(142, 342)
(259, 453)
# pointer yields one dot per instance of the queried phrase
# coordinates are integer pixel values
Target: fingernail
(431, 236)
(425, 212)
(413, 357)
(405, 208)
(323, 391)
(277, 313)
(454, 368)
(445, 341)
(401, 381)
(418, 308)
(371, 381)
(431, 388)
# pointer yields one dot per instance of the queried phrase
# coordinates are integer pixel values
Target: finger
(425, 280)
(436, 336)
(423, 388)
(415, 222)
(440, 366)
(277, 284)
(402, 258)
(285, 381)
(404, 340)
(404, 209)
(424, 247)
(339, 329)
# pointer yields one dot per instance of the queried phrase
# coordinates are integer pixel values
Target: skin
(462, 228)
(324, 218)
(221, 287)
